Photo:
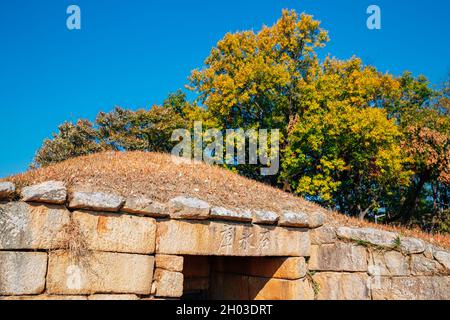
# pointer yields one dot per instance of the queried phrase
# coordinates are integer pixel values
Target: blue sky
(133, 53)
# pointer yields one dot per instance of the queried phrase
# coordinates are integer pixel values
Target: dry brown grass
(74, 243)
(156, 176)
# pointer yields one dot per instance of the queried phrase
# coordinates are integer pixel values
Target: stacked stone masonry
(57, 244)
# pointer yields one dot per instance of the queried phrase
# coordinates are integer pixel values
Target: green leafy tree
(423, 117)
(123, 130)
(343, 151)
(250, 79)
(72, 140)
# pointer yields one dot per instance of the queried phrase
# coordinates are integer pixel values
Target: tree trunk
(410, 205)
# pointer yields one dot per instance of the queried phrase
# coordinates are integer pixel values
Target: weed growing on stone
(75, 244)
(397, 243)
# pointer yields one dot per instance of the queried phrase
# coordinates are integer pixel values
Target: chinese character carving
(245, 241)
(227, 238)
(264, 240)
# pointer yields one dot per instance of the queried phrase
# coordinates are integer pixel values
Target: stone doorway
(244, 278)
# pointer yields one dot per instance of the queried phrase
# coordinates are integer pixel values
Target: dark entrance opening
(228, 278)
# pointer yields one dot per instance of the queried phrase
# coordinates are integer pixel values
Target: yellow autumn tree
(250, 78)
(338, 145)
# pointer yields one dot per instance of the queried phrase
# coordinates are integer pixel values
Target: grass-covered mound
(158, 177)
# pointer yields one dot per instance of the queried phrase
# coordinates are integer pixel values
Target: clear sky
(132, 53)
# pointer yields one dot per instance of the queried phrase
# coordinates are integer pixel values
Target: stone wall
(57, 245)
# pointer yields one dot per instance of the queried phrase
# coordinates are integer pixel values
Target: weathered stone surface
(230, 239)
(231, 215)
(443, 257)
(382, 238)
(24, 226)
(294, 219)
(153, 292)
(287, 268)
(265, 217)
(412, 245)
(422, 266)
(189, 208)
(338, 257)
(227, 286)
(316, 220)
(96, 201)
(373, 236)
(342, 286)
(110, 232)
(389, 263)
(45, 297)
(146, 207)
(6, 189)
(429, 251)
(22, 273)
(126, 297)
(48, 192)
(412, 288)
(170, 263)
(279, 289)
(323, 235)
(113, 297)
(280, 268)
(100, 272)
(168, 284)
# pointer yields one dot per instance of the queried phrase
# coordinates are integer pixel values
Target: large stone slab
(24, 226)
(7, 189)
(229, 239)
(323, 235)
(113, 297)
(280, 268)
(100, 272)
(338, 257)
(301, 220)
(169, 284)
(388, 263)
(189, 208)
(294, 219)
(422, 266)
(144, 206)
(279, 289)
(96, 201)
(48, 192)
(170, 263)
(412, 288)
(429, 251)
(220, 213)
(265, 217)
(316, 220)
(110, 232)
(341, 286)
(22, 273)
(382, 238)
(443, 257)
(412, 245)
(373, 236)
(45, 298)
